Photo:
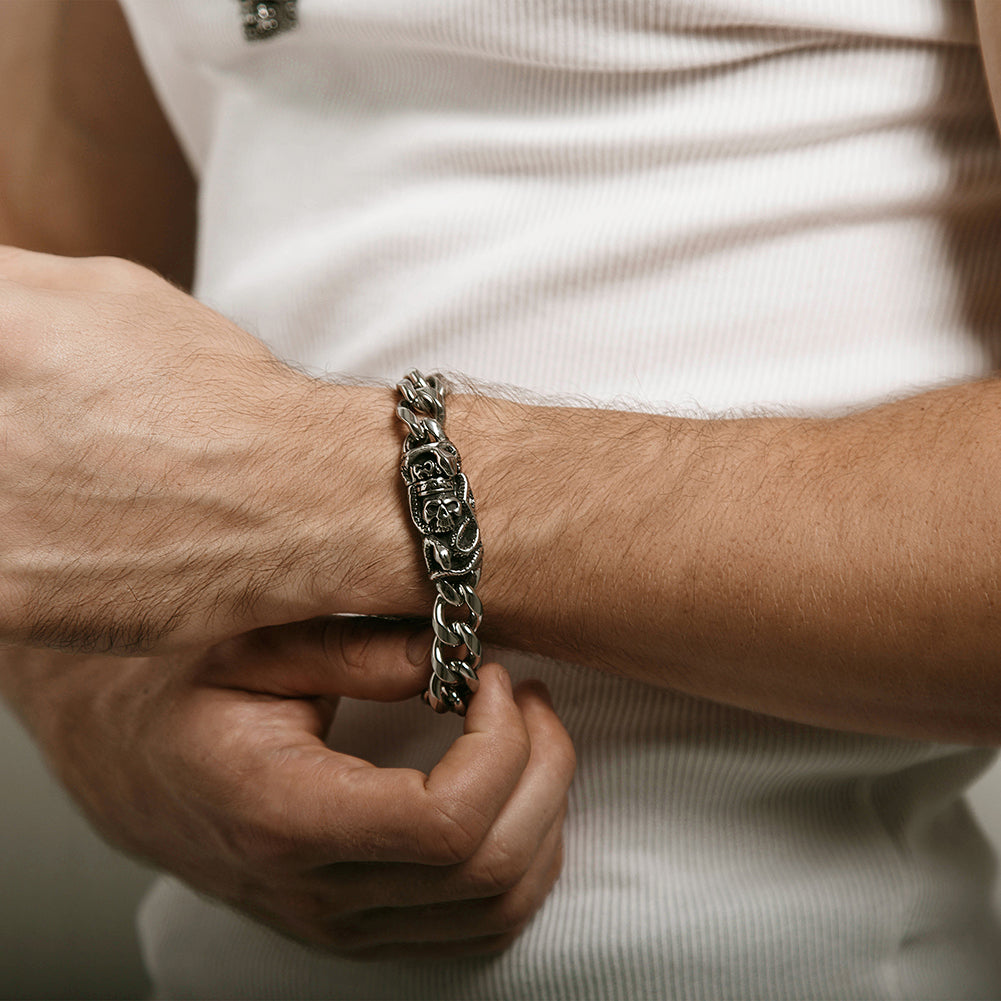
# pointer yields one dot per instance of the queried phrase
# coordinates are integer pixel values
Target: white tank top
(697, 207)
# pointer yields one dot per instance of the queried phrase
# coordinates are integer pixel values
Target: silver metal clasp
(264, 19)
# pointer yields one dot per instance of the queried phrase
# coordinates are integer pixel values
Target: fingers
(475, 906)
(443, 817)
(360, 658)
(453, 925)
(313, 806)
(508, 851)
(304, 911)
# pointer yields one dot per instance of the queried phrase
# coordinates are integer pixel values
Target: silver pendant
(267, 18)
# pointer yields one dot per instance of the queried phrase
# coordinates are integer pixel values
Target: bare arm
(88, 164)
(107, 447)
(844, 573)
(837, 572)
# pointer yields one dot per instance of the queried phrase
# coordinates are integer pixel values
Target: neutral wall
(66, 900)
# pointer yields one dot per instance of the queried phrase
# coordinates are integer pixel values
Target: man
(192, 496)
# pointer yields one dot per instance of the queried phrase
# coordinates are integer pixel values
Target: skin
(835, 572)
(208, 760)
(102, 138)
(213, 765)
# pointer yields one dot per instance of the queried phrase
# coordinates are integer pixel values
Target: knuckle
(497, 870)
(453, 833)
(119, 272)
(513, 909)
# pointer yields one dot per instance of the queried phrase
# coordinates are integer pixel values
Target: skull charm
(442, 512)
(442, 507)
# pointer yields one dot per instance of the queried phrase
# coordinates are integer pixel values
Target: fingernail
(419, 646)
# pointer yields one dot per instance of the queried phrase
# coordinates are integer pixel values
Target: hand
(147, 443)
(215, 768)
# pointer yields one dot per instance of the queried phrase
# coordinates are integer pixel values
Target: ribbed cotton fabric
(698, 207)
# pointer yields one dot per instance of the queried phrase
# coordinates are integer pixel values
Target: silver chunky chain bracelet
(444, 512)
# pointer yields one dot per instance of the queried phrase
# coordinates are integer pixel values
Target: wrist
(342, 514)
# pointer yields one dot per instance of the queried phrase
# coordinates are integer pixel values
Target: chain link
(443, 510)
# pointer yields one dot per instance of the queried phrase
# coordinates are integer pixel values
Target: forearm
(167, 483)
(837, 572)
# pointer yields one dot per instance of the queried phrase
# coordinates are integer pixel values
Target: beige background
(67, 901)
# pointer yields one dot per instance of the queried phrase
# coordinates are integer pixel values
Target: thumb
(386, 660)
